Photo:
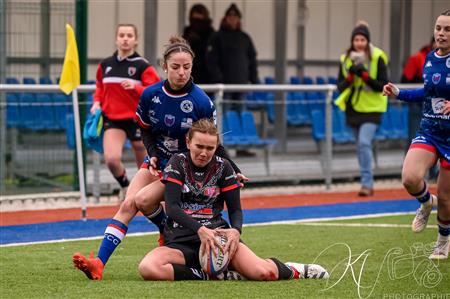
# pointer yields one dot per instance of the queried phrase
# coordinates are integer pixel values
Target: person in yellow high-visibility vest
(362, 74)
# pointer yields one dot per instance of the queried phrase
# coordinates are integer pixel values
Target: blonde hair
(205, 126)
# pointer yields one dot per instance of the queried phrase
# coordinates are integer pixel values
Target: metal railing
(219, 90)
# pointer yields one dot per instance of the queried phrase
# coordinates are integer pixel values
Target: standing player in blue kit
(432, 141)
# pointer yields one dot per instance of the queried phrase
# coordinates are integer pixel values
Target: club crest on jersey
(436, 78)
(169, 120)
(131, 71)
(186, 106)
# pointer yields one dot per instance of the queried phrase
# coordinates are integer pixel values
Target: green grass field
(387, 262)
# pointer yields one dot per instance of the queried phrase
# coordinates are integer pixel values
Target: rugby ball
(214, 264)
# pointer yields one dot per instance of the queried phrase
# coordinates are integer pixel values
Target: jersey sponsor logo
(186, 122)
(108, 69)
(436, 78)
(438, 105)
(447, 62)
(428, 64)
(169, 120)
(170, 144)
(156, 100)
(186, 106)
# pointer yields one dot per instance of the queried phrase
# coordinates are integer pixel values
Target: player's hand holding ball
(233, 237)
(213, 259)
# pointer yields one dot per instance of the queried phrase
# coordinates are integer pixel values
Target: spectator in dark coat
(231, 57)
(198, 34)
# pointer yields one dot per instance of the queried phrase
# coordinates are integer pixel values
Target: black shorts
(129, 126)
(190, 251)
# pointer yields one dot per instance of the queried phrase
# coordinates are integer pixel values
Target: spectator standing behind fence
(412, 73)
(362, 74)
(198, 34)
(121, 79)
(231, 57)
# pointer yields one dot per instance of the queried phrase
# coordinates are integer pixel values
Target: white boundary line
(310, 222)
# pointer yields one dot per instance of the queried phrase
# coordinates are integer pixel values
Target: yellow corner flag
(70, 75)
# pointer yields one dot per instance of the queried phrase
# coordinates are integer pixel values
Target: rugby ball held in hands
(215, 261)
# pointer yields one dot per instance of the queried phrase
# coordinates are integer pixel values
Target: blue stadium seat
(27, 110)
(315, 102)
(249, 130)
(297, 109)
(294, 80)
(341, 133)
(318, 124)
(45, 80)
(12, 80)
(45, 116)
(227, 137)
(234, 125)
(269, 98)
(12, 110)
(70, 131)
(28, 80)
(399, 122)
(384, 129)
(61, 110)
(332, 80)
(269, 80)
(307, 80)
(320, 80)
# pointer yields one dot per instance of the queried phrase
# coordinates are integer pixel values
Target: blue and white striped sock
(114, 234)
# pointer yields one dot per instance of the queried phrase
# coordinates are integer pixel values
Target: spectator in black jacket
(231, 57)
(198, 34)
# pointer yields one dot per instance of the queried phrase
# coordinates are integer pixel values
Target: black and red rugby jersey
(116, 102)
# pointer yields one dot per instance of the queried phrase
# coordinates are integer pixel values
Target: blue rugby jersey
(436, 76)
(169, 117)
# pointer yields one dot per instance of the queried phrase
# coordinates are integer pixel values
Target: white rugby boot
(305, 271)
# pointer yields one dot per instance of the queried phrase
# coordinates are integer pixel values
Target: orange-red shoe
(92, 267)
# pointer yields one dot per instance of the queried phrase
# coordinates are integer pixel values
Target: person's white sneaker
(422, 214)
(304, 271)
(440, 250)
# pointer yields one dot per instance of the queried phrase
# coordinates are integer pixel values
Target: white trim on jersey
(120, 79)
(136, 59)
